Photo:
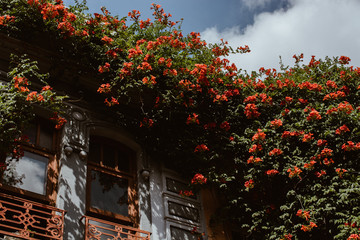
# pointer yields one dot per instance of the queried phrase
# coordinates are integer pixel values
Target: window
(111, 181)
(35, 173)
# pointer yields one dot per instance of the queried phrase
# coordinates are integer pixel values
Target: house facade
(91, 179)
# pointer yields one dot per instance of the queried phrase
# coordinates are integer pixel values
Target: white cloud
(252, 4)
(313, 27)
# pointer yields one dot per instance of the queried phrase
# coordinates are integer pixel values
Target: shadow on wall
(72, 193)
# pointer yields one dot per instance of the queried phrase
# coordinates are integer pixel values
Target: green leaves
(163, 77)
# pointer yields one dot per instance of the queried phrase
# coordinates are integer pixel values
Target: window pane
(46, 135)
(94, 152)
(29, 173)
(31, 133)
(109, 193)
(123, 161)
(109, 156)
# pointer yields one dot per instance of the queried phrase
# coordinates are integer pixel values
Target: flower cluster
(198, 179)
(59, 121)
(282, 124)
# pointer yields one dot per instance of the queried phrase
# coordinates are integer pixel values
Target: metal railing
(24, 219)
(97, 229)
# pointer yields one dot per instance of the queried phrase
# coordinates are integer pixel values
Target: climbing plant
(281, 146)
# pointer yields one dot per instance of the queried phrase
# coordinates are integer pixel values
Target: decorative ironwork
(24, 219)
(97, 229)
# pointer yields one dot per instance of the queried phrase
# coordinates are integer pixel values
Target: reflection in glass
(109, 193)
(28, 173)
(178, 233)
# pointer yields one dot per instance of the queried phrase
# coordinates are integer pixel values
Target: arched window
(111, 181)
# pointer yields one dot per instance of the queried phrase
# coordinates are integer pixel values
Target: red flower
(344, 107)
(321, 173)
(340, 172)
(321, 142)
(351, 146)
(201, 148)
(251, 99)
(60, 121)
(354, 237)
(151, 81)
(198, 179)
(326, 152)
(255, 148)
(186, 193)
(252, 159)
(313, 115)
(259, 136)
(249, 184)
(272, 172)
(342, 130)
(275, 152)
(294, 173)
(112, 102)
(303, 101)
(107, 40)
(309, 227)
(288, 99)
(209, 125)
(46, 88)
(104, 88)
(331, 84)
(251, 111)
(285, 112)
(32, 96)
(147, 122)
(308, 137)
(104, 68)
(327, 161)
(4, 20)
(344, 60)
(303, 214)
(310, 165)
(225, 125)
(276, 123)
(192, 119)
(287, 237)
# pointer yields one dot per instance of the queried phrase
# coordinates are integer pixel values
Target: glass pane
(94, 152)
(123, 161)
(109, 156)
(178, 233)
(175, 186)
(183, 211)
(29, 173)
(109, 193)
(30, 132)
(46, 135)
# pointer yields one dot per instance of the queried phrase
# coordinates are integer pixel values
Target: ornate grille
(24, 219)
(97, 229)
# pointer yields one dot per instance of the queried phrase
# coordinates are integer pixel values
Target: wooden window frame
(52, 170)
(133, 209)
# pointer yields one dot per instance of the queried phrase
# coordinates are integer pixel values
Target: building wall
(161, 209)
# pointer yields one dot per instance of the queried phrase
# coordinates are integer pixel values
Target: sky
(271, 28)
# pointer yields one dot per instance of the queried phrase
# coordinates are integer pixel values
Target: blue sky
(198, 15)
(271, 28)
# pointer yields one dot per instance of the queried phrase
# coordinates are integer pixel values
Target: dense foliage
(17, 103)
(282, 147)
